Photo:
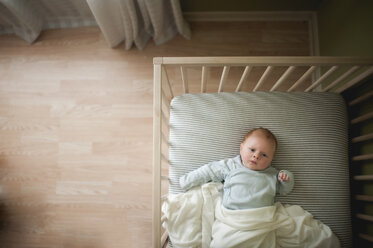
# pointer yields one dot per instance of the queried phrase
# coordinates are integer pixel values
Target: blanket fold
(198, 219)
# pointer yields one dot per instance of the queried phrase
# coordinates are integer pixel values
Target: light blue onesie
(243, 188)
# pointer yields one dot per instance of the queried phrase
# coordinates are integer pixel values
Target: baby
(249, 179)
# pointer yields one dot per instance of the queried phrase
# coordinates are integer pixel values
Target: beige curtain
(131, 21)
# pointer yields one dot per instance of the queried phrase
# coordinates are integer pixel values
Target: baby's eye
(252, 149)
(265, 155)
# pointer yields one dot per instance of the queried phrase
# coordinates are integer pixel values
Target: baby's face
(257, 151)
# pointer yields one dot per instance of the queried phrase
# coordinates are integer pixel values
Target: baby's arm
(214, 171)
(285, 181)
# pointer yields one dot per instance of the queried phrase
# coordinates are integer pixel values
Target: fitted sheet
(312, 133)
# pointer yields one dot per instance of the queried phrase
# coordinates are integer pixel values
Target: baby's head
(258, 149)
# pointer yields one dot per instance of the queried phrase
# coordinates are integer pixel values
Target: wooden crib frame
(334, 74)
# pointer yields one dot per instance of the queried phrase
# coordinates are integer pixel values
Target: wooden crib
(349, 76)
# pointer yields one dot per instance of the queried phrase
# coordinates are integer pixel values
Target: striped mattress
(312, 134)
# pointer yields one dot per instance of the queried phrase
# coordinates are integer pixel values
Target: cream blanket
(197, 219)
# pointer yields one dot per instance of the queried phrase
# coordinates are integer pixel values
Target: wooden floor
(76, 129)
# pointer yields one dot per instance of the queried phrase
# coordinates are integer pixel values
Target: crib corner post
(157, 139)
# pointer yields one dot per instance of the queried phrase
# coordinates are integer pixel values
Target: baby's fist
(282, 176)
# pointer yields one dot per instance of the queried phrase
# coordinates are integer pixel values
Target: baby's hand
(282, 176)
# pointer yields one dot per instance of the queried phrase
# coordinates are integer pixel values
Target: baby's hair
(265, 131)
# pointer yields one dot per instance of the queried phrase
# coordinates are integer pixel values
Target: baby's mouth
(253, 162)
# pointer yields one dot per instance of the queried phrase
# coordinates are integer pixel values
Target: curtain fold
(21, 18)
(133, 22)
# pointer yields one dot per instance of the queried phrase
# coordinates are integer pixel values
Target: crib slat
(167, 100)
(367, 198)
(164, 138)
(366, 237)
(302, 78)
(362, 118)
(164, 158)
(164, 238)
(319, 81)
(361, 98)
(223, 78)
(164, 71)
(363, 177)
(355, 80)
(362, 138)
(263, 78)
(163, 218)
(283, 77)
(184, 78)
(204, 79)
(243, 77)
(339, 79)
(164, 118)
(362, 157)
(364, 217)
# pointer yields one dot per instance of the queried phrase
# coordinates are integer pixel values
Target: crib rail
(180, 75)
(359, 101)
